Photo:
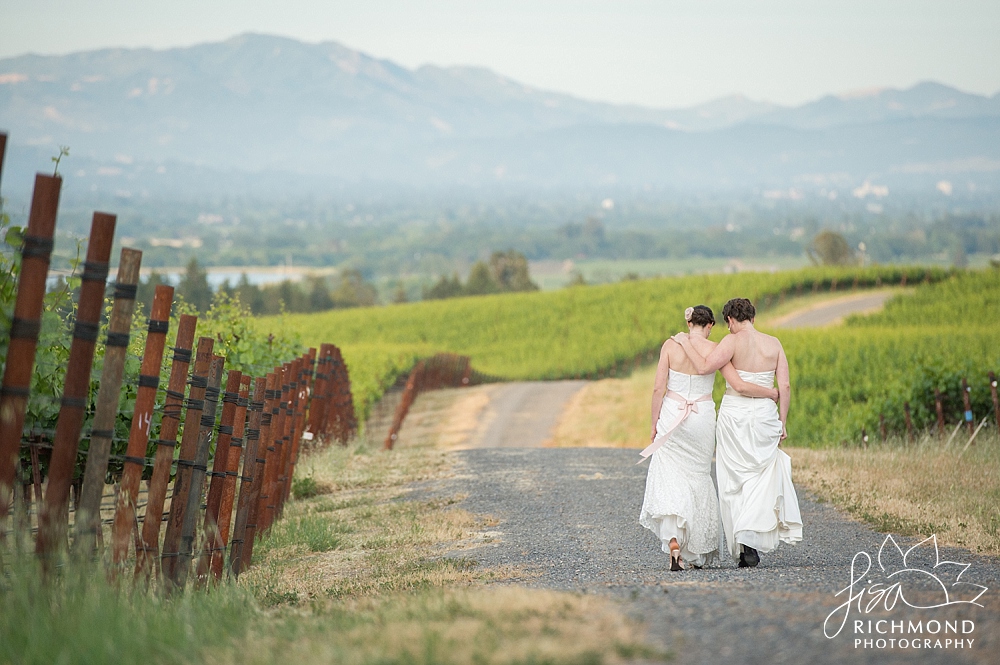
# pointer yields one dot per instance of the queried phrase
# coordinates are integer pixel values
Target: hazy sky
(653, 52)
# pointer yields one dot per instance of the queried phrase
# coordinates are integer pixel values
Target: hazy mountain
(140, 120)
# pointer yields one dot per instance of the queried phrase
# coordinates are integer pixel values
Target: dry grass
(500, 625)
(913, 490)
(362, 537)
(611, 413)
(364, 573)
(446, 419)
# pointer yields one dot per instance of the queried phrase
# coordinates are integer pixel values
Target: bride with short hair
(681, 506)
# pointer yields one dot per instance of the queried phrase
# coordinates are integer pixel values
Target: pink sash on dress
(686, 407)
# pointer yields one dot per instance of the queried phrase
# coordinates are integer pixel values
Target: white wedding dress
(680, 500)
(756, 495)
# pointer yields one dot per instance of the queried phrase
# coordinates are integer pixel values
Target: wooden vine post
(237, 443)
(265, 452)
(185, 460)
(967, 403)
(125, 526)
(88, 518)
(230, 402)
(54, 517)
(939, 408)
(148, 548)
(996, 402)
(251, 473)
(23, 333)
(199, 470)
(909, 422)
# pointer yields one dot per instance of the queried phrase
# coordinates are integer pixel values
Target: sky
(659, 53)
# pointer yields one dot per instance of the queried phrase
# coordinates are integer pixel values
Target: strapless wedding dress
(680, 500)
(756, 495)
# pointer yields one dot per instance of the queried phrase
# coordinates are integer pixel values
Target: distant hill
(140, 120)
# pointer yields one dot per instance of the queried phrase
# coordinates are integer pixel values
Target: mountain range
(258, 109)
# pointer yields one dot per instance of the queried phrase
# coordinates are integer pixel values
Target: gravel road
(834, 311)
(568, 519)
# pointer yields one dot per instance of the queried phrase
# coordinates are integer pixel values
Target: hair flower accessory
(688, 313)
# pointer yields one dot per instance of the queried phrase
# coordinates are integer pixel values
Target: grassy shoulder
(360, 569)
(913, 490)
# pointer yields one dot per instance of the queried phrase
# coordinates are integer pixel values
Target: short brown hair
(739, 309)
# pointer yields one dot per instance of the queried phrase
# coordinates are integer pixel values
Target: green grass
(80, 618)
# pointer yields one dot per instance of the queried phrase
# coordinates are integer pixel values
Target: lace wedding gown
(680, 500)
(758, 501)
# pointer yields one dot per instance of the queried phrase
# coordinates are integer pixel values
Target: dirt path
(832, 312)
(520, 414)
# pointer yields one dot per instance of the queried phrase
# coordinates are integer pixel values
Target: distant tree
(320, 299)
(249, 294)
(576, 279)
(147, 289)
(399, 295)
(351, 289)
(830, 249)
(194, 288)
(510, 271)
(445, 287)
(480, 280)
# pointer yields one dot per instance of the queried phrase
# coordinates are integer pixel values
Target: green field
(843, 378)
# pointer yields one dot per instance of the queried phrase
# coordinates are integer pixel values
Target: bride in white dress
(759, 506)
(680, 505)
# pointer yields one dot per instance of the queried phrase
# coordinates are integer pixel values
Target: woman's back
(679, 361)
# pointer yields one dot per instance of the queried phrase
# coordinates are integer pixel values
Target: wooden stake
(237, 443)
(146, 556)
(23, 334)
(198, 471)
(142, 421)
(265, 452)
(54, 517)
(88, 520)
(230, 401)
(185, 460)
(967, 403)
(250, 465)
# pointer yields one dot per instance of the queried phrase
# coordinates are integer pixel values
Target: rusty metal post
(125, 525)
(236, 445)
(265, 452)
(253, 434)
(230, 401)
(996, 403)
(939, 408)
(54, 516)
(272, 467)
(409, 394)
(967, 403)
(24, 330)
(88, 519)
(198, 471)
(149, 542)
(909, 422)
(185, 459)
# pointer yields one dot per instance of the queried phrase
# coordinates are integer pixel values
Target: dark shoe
(749, 558)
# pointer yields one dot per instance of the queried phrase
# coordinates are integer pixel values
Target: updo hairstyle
(699, 316)
(739, 309)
